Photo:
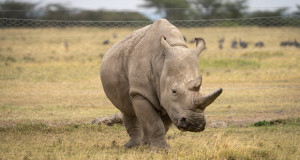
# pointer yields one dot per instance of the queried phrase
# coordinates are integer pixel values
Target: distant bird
(283, 43)
(243, 44)
(221, 41)
(296, 44)
(66, 45)
(234, 44)
(290, 43)
(287, 43)
(115, 35)
(105, 42)
(220, 46)
(259, 44)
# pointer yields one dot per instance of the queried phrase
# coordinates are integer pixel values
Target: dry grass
(42, 81)
(102, 142)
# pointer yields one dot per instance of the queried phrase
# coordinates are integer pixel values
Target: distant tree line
(171, 10)
(56, 11)
(208, 9)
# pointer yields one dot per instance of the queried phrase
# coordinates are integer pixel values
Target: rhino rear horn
(195, 84)
(202, 101)
(200, 46)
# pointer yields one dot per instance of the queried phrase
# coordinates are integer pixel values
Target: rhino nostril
(182, 123)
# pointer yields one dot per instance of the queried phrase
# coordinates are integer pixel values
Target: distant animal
(66, 45)
(259, 44)
(234, 44)
(243, 44)
(284, 43)
(115, 35)
(105, 42)
(290, 43)
(297, 44)
(220, 46)
(156, 85)
(221, 41)
(287, 43)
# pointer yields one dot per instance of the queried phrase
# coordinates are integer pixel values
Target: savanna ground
(50, 91)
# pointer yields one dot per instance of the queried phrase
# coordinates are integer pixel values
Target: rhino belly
(115, 82)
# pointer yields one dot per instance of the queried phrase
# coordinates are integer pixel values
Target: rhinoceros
(152, 77)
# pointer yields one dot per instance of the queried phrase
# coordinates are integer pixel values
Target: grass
(85, 141)
(49, 94)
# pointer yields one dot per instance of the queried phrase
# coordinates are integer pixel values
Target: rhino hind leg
(134, 131)
(151, 123)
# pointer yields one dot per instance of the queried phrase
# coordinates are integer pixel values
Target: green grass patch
(277, 122)
(44, 128)
(262, 55)
(228, 63)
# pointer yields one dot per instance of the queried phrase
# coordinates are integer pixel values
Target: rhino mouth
(184, 124)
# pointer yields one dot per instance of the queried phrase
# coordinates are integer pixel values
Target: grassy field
(50, 91)
(87, 141)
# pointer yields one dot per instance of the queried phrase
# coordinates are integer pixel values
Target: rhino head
(180, 84)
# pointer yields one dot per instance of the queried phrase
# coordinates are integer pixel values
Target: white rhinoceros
(152, 78)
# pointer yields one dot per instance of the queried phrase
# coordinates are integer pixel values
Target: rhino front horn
(202, 101)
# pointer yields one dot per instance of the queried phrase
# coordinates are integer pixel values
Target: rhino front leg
(134, 130)
(151, 122)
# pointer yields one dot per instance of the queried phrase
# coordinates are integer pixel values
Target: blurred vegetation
(175, 9)
(57, 11)
(60, 12)
(202, 9)
(14, 9)
(209, 9)
(171, 10)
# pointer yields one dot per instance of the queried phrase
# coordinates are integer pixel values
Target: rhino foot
(160, 147)
(132, 144)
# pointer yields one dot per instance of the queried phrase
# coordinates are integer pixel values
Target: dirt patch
(109, 120)
(213, 122)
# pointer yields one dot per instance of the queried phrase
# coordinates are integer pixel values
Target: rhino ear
(200, 46)
(165, 45)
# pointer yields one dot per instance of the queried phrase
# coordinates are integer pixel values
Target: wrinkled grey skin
(152, 78)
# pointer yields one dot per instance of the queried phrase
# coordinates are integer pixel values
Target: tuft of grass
(7, 59)
(277, 122)
(10, 59)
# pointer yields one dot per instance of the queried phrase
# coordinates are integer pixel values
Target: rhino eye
(174, 91)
